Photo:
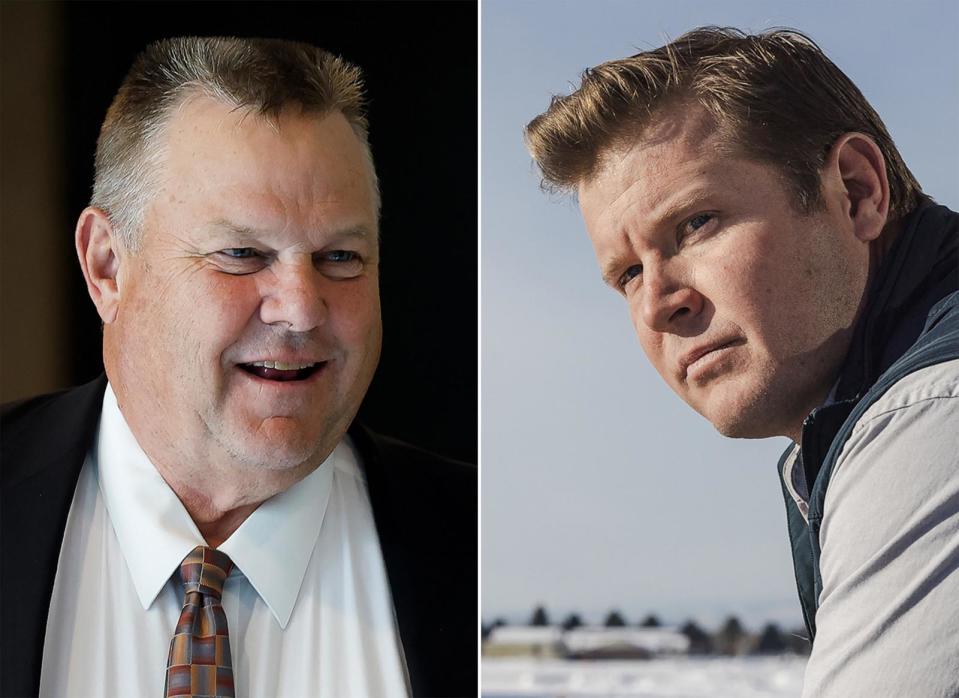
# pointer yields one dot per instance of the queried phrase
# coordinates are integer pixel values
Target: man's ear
(859, 184)
(98, 251)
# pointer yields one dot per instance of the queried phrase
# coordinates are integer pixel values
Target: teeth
(279, 365)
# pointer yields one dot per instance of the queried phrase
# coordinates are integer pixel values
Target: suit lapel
(396, 555)
(424, 507)
(45, 443)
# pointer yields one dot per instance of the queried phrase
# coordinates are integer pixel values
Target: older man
(200, 521)
(787, 276)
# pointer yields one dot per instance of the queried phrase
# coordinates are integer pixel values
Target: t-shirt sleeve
(888, 619)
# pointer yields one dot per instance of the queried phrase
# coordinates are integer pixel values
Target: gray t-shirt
(888, 617)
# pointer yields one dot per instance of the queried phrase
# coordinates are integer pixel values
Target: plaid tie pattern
(200, 663)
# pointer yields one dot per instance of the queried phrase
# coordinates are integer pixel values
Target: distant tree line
(730, 639)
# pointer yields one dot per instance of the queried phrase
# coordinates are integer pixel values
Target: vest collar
(919, 269)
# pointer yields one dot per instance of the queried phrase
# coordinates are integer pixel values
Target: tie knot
(204, 570)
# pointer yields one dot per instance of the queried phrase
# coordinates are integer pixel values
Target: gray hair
(262, 75)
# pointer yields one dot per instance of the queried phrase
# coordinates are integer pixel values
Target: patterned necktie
(200, 663)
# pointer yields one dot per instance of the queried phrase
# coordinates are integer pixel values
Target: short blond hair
(775, 97)
(262, 75)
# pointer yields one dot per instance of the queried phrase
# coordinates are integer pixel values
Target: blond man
(787, 276)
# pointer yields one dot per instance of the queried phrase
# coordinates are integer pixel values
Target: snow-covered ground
(682, 677)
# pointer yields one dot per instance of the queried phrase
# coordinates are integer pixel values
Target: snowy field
(685, 677)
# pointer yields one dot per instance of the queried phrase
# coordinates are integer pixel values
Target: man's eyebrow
(356, 231)
(676, 206)
(244, 232)
(612, 269)
(240, 231)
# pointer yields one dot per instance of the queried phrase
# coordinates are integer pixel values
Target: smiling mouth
(277, 371)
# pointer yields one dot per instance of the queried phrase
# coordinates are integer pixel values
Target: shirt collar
(272, 547)
(795, 481)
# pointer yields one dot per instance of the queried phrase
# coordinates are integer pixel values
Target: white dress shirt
(307, 603)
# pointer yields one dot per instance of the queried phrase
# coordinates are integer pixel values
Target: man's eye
(240, 252)
(697, 222)
(341, 256)
(240, 260)
(630, 274)
(341, 264)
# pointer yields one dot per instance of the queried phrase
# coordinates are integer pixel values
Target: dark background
(419, 62)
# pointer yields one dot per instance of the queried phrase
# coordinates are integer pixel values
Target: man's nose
(667, 298)
(295, 297)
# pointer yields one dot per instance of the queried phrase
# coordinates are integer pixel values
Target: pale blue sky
(601, 489)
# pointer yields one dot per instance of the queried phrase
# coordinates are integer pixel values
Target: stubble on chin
(746, 406)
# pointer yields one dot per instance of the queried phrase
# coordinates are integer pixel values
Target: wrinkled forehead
(646, 164)
(683, 123)
(200, 124)
(215, 152)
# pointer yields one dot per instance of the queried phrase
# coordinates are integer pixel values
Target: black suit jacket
(424, 507)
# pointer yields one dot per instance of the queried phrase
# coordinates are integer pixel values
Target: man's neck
(220, 500)
(222, 526)
(878, 251)
(218, 492)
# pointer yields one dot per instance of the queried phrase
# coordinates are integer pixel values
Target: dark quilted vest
(911, 321)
